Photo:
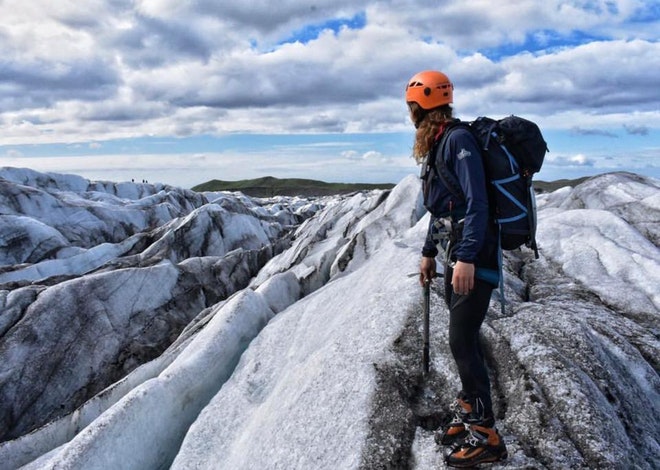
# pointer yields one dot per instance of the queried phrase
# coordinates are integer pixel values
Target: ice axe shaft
(426, 307)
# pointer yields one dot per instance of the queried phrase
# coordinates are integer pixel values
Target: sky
(185, 92)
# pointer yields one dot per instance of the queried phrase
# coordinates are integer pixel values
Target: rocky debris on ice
(314, 360)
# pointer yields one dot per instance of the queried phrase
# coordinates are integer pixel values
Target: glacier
(144, 326)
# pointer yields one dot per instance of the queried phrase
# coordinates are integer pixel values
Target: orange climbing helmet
(430, 89)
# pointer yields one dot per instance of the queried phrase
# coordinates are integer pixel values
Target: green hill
(549, 186)
(269, 186)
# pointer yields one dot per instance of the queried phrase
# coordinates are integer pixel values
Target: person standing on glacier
(469, 237)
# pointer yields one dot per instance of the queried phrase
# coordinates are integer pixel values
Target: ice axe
(426, 308)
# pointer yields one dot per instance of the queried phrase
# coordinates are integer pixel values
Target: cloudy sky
(187, 91)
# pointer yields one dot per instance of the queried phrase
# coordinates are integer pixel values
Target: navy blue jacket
(478, 243)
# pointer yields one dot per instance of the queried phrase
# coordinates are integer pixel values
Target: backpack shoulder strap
(439, 165)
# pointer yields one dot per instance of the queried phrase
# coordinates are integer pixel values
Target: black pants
(466, 314)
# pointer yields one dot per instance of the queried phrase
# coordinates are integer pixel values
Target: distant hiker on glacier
(470, 241)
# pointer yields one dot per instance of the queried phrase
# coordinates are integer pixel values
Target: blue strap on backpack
(512, 150)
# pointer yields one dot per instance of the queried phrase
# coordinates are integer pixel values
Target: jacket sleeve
(465, 158)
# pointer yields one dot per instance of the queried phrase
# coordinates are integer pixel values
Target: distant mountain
(549, 186)
(269, 186)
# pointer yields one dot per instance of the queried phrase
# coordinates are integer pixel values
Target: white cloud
(581, 160)
(351, 155)
(372, 154)
(113, 70)
(569, 160)
(14, 154)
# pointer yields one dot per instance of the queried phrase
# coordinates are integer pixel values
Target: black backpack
(512, 150)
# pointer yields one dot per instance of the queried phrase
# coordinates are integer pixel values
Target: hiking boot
(483, 444)
(456, 429)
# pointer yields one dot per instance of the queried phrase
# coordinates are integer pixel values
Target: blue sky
(187, 92)
(312, 31)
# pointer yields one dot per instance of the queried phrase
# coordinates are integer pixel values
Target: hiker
(470, 240)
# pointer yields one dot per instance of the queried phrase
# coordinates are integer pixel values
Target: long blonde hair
(428, 123)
